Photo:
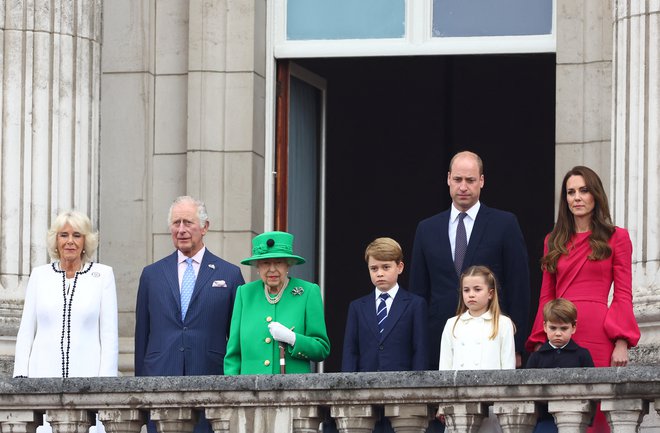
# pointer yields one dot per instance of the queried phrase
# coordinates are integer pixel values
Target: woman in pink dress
(583, 255)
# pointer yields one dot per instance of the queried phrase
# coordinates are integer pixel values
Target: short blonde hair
(384, 249)
(81, 223)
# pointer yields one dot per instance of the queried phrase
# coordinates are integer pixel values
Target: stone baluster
(122, 420)
(408, 418)
(571, 416)
(220, 418)
(625, 415)
(19, 421)
(516, 416)
(174, 420)
(70, 420)
(306, 419)
(354, 418)
(463, 417)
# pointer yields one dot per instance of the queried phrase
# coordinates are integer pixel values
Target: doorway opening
(393, 124)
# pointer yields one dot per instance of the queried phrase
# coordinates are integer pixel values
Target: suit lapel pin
(297, 291)
(211, 265)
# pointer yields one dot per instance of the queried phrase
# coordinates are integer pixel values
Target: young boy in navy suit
(560, 351)
(386, 330)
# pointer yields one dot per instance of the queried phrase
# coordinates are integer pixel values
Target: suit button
(269, 319)
(268, 340)
(185, 328)
(266, 363)
(380, 347)
(181, 349)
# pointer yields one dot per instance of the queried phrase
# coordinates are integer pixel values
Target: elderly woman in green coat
(274, 313)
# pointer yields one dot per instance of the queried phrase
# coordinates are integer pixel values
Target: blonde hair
(80, 223)
(560, 310)
(493, 303)
(384, 249)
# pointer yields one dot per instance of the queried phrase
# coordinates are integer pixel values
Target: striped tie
(461, 244)
(381, 311)
(187, 287)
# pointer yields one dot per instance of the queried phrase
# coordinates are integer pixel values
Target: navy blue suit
(165, 345)
(403, 345)
(496, 241)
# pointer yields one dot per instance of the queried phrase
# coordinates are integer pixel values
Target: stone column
(584, 87)
(408, 418)
(70, 420)
(220, 418)
(571, 416)
(19, 421)
(624, 416)
(463, 417)
(306, 419)
(49, 100)
(174, 420)
(354, 418)
(516, 417)
(636, 161)
(122, 420)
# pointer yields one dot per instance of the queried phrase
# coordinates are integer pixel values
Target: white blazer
(469, 348)
(91, 338)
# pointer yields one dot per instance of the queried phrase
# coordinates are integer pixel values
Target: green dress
(252, 350)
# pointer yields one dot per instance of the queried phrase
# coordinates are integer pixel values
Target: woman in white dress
(69, 322)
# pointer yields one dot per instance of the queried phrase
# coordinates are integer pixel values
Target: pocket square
(219, 283)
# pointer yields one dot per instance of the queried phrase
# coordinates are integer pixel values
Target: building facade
(117, 107)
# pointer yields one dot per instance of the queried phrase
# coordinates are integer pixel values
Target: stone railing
(299, 403)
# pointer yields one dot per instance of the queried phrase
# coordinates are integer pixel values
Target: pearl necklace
(66, 314)
(277, 297)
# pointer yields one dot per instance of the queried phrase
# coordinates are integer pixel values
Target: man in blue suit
(469, 233)
(184, 306)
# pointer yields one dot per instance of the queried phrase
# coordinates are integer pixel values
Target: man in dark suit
(184, 306)
(469, 233)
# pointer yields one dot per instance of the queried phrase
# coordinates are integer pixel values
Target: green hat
(273, 245)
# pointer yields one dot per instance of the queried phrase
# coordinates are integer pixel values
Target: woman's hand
(620, 354)
(282, 333)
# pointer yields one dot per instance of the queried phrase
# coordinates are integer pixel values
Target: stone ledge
(348, 388)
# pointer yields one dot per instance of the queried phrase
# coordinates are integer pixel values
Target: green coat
(252, 350)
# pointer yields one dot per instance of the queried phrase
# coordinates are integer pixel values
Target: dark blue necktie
(461, 244)
(381, 311)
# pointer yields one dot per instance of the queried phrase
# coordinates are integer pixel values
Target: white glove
(282, 333)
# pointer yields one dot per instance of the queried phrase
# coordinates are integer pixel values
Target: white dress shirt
(388, 302)
(468, 221)
(468, 347)
(197, 262)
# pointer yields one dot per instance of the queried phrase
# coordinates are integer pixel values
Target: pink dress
(587, 284)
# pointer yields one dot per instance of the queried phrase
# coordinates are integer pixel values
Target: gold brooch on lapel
(297, 291)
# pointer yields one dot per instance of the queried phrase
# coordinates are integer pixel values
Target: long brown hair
(493, 304)
(601, 222)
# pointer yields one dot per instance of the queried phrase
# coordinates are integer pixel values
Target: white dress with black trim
(69, 326)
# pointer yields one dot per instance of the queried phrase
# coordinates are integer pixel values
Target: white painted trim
(400, 47)
(270, 120)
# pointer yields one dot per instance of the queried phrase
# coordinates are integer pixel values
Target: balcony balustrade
(300, 403)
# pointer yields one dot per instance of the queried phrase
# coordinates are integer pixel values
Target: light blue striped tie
(381, 311)
(187, 287)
